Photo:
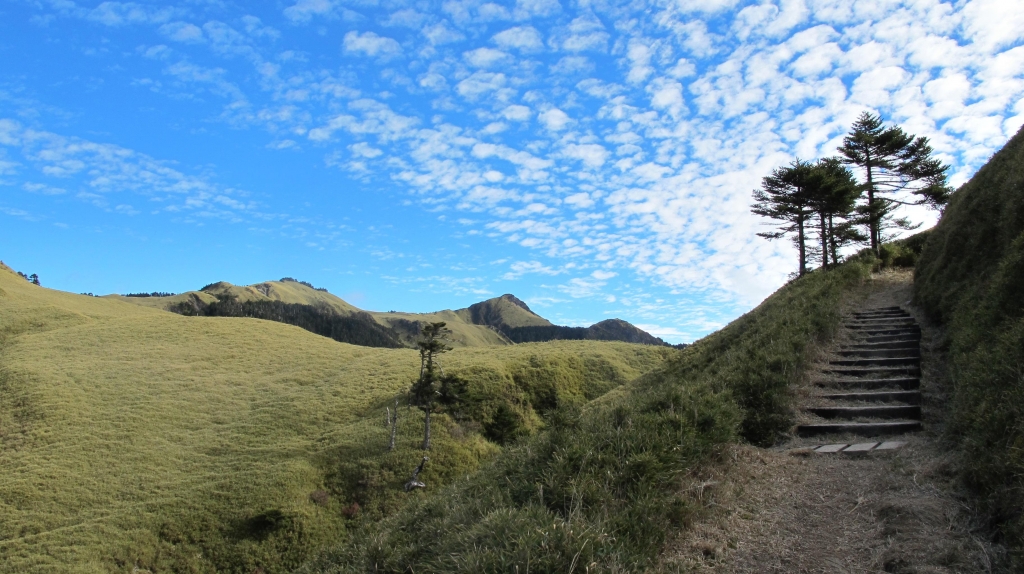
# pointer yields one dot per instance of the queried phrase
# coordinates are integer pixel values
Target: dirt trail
(788, 509)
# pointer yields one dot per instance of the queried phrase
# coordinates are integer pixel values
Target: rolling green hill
(135, 438)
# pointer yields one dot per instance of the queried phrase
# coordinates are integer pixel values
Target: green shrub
(971, 277)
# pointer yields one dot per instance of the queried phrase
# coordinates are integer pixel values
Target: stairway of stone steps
(871, 385)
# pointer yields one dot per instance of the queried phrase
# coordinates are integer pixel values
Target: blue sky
(594, 158)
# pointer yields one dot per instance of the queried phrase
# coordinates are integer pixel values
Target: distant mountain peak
(516, 301)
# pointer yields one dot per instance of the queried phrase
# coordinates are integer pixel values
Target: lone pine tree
(435, 391)
(898, 169)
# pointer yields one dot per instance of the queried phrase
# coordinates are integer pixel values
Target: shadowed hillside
(971, 277)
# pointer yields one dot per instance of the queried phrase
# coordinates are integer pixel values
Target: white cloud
(520, 268)
(43, 189)
(123, 13)
(592, 155)
(526, 9)
(485, 57)
(993, 24)
(442, 33)
(480, 83)
(525, 38)
(584, 33)
(517, 113)
(554, 119)
(362, 149)
(408, 18)
(183, 32)
(372, 45)
(305, 10)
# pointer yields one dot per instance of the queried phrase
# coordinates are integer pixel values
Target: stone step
(881, 353)
(873, 412)
(861, 448)
(880, 310)
(873, 316)
(909, 333)
(878, 362)
(860, 429)
(869, 339)
(877, 373)
(909, 397)
(882, 326)
(881, 319)
(883, 345)
(906, 383)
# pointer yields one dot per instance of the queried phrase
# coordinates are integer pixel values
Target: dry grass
(130, 436)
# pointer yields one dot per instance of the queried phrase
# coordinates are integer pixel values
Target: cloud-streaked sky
(594, 158)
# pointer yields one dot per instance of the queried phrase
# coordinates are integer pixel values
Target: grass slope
(971, 277)
(599, 489)
(131, 437)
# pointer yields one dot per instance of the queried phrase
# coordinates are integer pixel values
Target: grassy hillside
(131, 437)
(599, 489)
(971, 277)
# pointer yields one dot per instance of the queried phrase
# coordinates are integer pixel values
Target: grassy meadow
(131, 437)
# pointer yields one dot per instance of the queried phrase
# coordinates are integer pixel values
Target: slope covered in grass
(132, 437)
(971, 277)
(600, 488)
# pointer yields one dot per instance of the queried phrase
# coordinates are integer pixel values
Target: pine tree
(783, 197)
(427, 389)
(833, 192)
(898, 170)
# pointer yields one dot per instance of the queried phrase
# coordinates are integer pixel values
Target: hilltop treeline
(356, 329)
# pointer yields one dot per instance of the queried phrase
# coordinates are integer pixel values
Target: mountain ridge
(502, 320)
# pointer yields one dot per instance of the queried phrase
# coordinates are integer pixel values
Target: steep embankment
(131, 437)
(971, 278)
(601, 488)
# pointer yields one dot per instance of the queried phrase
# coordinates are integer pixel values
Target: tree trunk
(394, 428)
(832, 238)
(872, 216)
(800, 240)
(824, 241)
(426, 431)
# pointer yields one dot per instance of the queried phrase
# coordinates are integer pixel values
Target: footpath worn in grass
(601, 487)
(131, 437)
(971, 277)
